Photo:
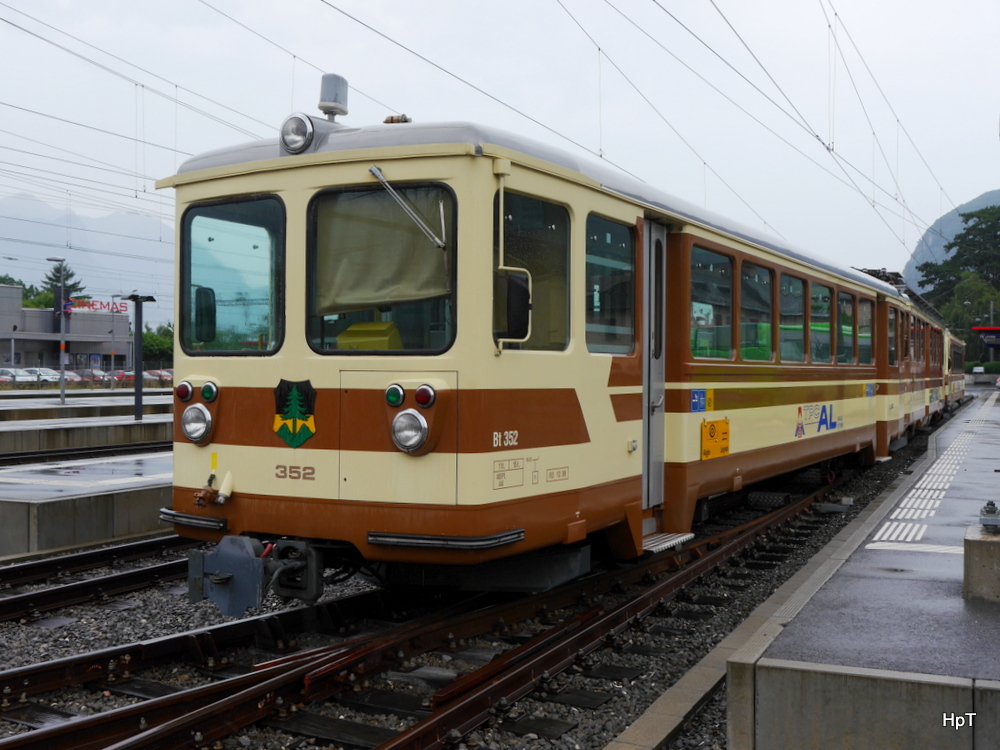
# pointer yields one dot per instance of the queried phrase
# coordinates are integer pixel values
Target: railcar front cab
(237, 257)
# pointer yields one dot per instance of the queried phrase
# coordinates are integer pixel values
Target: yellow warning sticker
(714, 439)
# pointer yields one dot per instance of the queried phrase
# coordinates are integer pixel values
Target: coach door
(653, 370)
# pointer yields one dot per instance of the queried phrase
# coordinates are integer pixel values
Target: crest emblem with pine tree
(293, 406)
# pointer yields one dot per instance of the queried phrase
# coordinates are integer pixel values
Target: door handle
(654, 405)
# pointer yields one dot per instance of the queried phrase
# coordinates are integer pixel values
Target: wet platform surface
(897, 603)
(51, 481)
(872, 644)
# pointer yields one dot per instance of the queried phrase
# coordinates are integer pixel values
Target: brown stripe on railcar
(546, 520)
(686, 483)
(360, 419)
(627, 406)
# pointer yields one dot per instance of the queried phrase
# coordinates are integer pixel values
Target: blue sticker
(699, 399)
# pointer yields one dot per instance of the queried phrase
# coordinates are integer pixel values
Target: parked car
(122, 376)
(18, 376)
(166, 377)
(38, 375)
(6, 379)
(998, 382)
(94, 376)
(48, 375)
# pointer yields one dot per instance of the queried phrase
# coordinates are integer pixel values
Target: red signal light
(424, 396)
(184, 391)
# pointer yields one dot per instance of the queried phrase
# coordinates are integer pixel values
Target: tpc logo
(816, 418)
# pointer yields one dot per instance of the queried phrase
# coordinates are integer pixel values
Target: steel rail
(48, 567)
(199, 647)
(43, 600)
(210, 712)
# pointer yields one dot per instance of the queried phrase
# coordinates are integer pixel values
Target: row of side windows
(834, 326)
(536, 238)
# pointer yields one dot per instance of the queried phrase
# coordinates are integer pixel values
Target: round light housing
(196, 422)
(409, 430)
(395, 395)
(184, 391)
(425, 396)
(297, 133)
(210, 392)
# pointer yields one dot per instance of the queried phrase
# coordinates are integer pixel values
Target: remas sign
(97, 305)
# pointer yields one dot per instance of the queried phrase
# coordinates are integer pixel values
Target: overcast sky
(844, 128)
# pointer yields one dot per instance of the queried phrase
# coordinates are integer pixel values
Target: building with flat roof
(98, 336)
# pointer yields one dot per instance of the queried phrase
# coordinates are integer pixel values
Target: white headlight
(409, 431)
(297, 133)
(196, 422)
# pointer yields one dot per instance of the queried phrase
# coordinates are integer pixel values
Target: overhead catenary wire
(662, 117)
(888, 104)
(291, 54)
(122, 76)
(839, 177)
(842, 163)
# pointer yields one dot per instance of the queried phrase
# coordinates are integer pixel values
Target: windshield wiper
(410, 212)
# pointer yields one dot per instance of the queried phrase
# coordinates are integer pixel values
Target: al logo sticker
(293, 411)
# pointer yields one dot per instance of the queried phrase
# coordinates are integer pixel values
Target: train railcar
(456, 355)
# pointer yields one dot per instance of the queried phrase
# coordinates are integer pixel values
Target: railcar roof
(337, 138)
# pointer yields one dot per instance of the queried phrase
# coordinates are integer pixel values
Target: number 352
(294, 472)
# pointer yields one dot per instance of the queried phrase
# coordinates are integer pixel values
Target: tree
(32, 296)
(54, 279)
(158, 345)
(976, 250)
(969, 307)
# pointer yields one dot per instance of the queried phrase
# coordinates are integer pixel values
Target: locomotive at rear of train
(452, 355)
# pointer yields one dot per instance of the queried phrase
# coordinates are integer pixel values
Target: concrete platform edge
(742, 687)
(27, 527)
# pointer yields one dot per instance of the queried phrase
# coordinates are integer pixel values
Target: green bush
(992, 368)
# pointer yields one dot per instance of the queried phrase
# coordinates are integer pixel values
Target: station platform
(54, 505)
(27, 405)
(873, 645)
(51, 434)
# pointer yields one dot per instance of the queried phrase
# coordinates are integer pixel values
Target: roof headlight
(409, 430)
(196, 422)
(297, 133)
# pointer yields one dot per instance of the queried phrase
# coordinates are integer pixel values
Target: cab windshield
(231, 279)
(378, 281)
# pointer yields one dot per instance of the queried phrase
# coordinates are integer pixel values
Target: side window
(610, 292)
(536, 238)
(866, 317)
(711, 304)
(792, 326)
(820, 318)
(756, 285)
(892, 335)
(905, 338)
(845, 328)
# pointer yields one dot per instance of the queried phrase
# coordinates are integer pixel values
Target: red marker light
(424, 396)
(184, 391)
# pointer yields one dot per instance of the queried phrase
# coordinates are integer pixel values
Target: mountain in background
(930, 248)
(115, 253)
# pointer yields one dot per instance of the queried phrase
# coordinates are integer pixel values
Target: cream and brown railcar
(429, 347)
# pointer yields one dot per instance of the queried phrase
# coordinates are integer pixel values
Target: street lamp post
(62, 325)
(114, 305)
(138, 299)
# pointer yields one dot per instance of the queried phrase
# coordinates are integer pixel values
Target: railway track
(530, 641)
(16, 604)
